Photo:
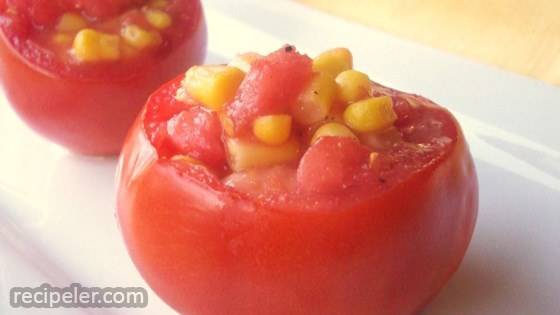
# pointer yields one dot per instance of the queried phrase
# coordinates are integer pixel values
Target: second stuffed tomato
(282, 184)
(79, 71)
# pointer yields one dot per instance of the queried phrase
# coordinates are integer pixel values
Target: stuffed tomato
(282, 184)
(79, 71)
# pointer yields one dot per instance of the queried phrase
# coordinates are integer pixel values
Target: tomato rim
(19, 46)
(426, 168)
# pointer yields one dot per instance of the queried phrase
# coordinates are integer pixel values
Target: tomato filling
(87, 38)
(285, 128)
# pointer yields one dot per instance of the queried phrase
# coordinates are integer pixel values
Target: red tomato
(255, 242)
(270, 87)
(89, 107)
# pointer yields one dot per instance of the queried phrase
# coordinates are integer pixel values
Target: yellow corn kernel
(273, 129)
(333, 130)
(316, 101)
(370, 115)
(244, 61)
(139, 38)
(71, 22)
(213, 86)
(353, 86)
(158, 4)
(244, 155)
(158, 18)
(333, 61)
(90, 46)
(62, 39)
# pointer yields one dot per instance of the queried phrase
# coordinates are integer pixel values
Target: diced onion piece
(316, 101)
(353, 86)
(71, 22)
(370, 115)
(273, 129)
(90, 46)
(333, 61)
(244, 155)
(140, 38)
(244, 61)
(186, 159)
(333, 129)
(227, 124)
(372, 158)
(213, 86)
(382, 140)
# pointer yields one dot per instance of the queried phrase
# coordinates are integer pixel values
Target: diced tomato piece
(44, 12)
(197, 133)
(270, 87)
(164, 106)
(20, 5)
(331, 165)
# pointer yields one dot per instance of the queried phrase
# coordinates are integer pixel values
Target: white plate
(57, 210)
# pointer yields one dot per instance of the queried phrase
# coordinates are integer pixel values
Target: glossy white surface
(57, 210)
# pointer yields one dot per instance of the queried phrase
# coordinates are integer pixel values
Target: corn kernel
(62, 39)
(244, 61)
(158, 4)
(139, 38)
(71, 22)
(273, 129)
(333, 61)
(90, 45)
(370, 115)
(213, 86)
(244, 155)
(333, 130)
(353, 86)
(316, 101)
(158, 18)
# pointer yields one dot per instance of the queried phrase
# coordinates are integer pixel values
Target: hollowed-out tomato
(336, 231)
(82, 90)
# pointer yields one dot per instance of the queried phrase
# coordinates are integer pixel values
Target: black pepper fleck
(289, 48)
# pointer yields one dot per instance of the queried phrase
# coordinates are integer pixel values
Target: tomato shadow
(472, 287)
(511, 264)
(82, 184)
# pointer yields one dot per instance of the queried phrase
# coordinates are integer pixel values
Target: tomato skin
(207, 251)
(91, 116)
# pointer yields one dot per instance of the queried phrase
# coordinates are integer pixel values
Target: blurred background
(518, 35)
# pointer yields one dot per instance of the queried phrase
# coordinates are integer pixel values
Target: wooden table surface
(519, 35)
